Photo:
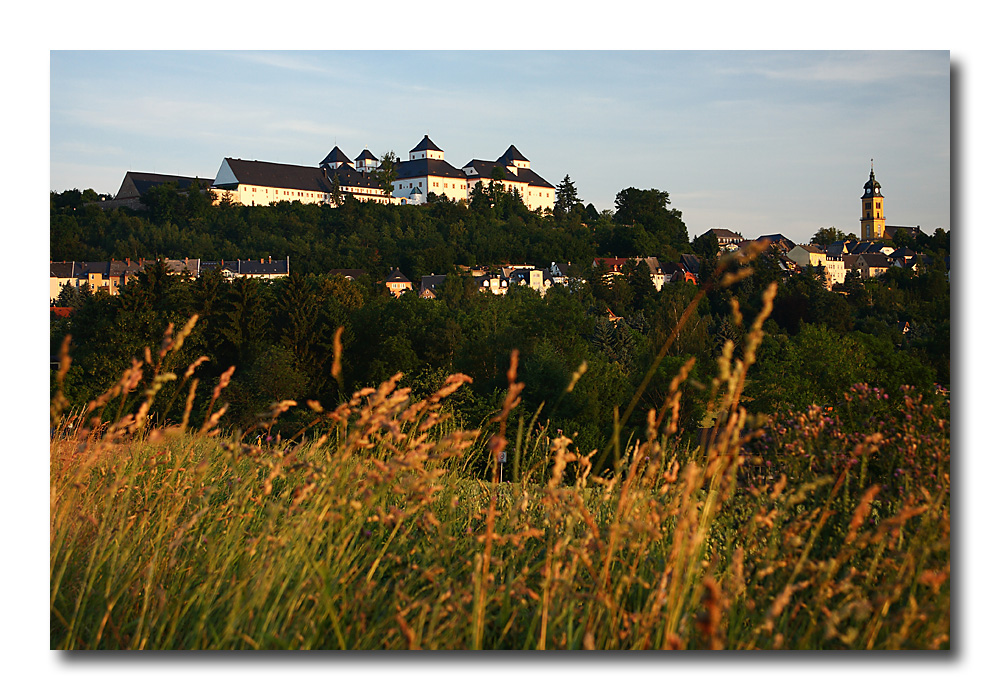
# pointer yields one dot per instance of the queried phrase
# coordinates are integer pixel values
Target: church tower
(872, 212)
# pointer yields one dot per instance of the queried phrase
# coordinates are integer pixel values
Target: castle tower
(872, 212)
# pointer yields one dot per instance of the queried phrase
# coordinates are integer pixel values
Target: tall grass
(784, 532)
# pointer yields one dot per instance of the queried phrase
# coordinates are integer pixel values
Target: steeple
(872, 212)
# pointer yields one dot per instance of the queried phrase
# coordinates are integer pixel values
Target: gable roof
(137, 184)
(396, 276)
(691, 262)
(874, 260)
(818, 250)
(62, 270)
(297, 177)
(483, 170)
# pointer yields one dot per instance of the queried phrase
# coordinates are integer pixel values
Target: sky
(753, 141)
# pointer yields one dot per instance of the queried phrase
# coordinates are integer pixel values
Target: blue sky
(754, 141)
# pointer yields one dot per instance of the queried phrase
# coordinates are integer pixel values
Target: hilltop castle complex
(252, 182)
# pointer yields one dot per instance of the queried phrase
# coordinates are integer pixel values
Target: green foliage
(825, 236)
(566, 196)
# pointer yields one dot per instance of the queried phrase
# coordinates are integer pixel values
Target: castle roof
(510, 155)
(366, 155)
(258, 172)
(336, 156)
(483, 169)
(425, 145)
(427, 166)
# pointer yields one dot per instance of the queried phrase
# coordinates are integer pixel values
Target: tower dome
(872, 188)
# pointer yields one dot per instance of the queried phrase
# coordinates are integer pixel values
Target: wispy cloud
(840, 67)
(302, 63)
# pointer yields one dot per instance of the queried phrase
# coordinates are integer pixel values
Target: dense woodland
(280, 335)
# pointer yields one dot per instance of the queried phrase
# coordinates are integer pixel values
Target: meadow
(372, 528)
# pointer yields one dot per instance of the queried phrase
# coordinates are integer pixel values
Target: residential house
(728, 241)
(397, 283)
(561, 272)
(494, 282)
(349, 273)
(692, 264)
(676, 272)
(256, 269)
(872, 265)
(614, 266)
(108, 276)
(781, 242)
(803, 255)
(817, 256)
(60, 274)
(835, 270)
(539, 280)
(429, 285)
(656, 273)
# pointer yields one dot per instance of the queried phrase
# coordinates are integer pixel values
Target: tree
(706, 246)
(648, 208)
(335, 194)
(386, 172)
(566, 197)
(826, 236)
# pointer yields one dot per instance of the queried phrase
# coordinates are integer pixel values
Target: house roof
(425, 145)
(723, 233)
(349, 273)
(522, 275)
(396, 276)
(818, 250)
(691, 262)
(611, 263)
(431, 281)
(248, 267)
(366, 155)
(143, 182)
(62, 270)
(875, 259)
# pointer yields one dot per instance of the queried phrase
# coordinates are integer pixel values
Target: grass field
(800, 531)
